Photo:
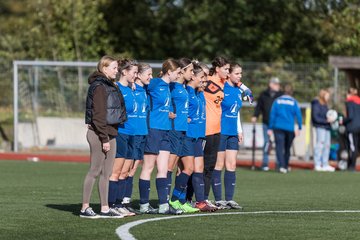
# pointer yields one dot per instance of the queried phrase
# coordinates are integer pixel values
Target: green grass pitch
(42, 200)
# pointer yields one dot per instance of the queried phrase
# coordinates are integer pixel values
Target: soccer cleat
(88, 213)
(283, 170)
(221, 205)
(203, 206)
(124, 211)
(176, 204)
(130, 209)
(208, 202)
(234, 205)
(187, 208)
(147, 209)
(167, 209)
(112, 213)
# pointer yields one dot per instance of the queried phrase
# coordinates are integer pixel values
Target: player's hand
(250, 96)
(189, 120)
(106, 147)
(270, 132)
(297, 132)
(241, 137)
(172, 115)
(253, 119)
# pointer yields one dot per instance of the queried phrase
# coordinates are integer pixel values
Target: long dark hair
(184, 63)
(218, 62)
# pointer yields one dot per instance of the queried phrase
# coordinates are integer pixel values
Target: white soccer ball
(245, 98)
(331, 115)
(342, 165)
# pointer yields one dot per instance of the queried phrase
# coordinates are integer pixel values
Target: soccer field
(42, 201)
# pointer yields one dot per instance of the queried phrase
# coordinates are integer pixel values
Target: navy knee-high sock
(229, 180)
(179, 192)
(113, 189)
(190, 189)
(121, 191)
(169, 181)
(216, 184)
(129, 187)
(144, 190)
(199, 186)
(161, 186)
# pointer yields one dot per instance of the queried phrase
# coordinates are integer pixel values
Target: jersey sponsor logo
(162, 89)
(234, 108)
(135, 107)
(143, 109)
(285, 102)
(186, 105)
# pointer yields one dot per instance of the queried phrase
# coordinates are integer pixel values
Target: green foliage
(53, 30)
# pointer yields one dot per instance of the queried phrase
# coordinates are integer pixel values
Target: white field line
(124, 230)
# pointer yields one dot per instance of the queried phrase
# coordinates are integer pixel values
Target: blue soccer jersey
(284, 111)
(160, 103)
(131, 110)
(194, 113)
(202, 119)
(142, 111)
(180, 106)
(230, 107)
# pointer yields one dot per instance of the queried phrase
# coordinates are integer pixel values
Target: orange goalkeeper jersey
(213, 95)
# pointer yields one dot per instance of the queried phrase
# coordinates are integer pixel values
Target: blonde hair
(322, 94)
(168, 64)
(105, 61)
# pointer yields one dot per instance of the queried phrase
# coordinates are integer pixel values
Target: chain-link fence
(51, 98)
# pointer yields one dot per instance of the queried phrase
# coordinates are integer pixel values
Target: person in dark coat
(319, 108)
(263, 108)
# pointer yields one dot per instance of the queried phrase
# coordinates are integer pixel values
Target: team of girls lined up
(170, 120)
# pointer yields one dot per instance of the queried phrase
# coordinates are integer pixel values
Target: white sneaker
(318, 169)
(265, 169)
(283, 170)
(329, 168)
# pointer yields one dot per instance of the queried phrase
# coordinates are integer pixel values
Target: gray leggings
(100, 164)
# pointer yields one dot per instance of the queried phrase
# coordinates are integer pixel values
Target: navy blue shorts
(188, 148)
(176, 142)
(228, 143)
(124, 146)
(199, 147)
(157, 140)
(139, 146)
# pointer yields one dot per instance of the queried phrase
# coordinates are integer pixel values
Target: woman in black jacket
(105, 109)
(319, 108)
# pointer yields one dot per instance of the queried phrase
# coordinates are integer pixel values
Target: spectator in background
(352, 123)
(319, 108)
(263, 108)
(282, 120)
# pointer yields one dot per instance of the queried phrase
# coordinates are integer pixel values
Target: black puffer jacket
(105, 106)
(264, 103)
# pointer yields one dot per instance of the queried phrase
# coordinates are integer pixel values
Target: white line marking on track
(124, 230)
